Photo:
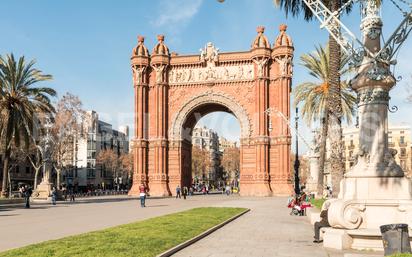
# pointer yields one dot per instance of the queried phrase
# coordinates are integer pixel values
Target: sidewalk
(266, 231)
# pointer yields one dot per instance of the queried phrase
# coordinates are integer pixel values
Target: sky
(86, 45)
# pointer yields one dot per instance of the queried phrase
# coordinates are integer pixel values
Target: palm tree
(334, 118)
(20, 100)
(314, 97)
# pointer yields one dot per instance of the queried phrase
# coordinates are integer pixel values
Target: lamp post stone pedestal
(374, 191)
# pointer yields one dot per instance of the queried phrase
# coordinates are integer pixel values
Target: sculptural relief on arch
(172, 92)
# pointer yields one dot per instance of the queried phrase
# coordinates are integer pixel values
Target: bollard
(395, 238)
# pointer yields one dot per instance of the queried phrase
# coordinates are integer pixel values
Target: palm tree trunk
(5, 171)
(322, 152)
(335, 112)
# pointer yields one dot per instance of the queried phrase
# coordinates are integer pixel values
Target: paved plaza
(267, 230)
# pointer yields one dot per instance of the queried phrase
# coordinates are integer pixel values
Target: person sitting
(322, 223)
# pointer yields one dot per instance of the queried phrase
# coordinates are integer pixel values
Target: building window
(27, 169)
(91, 173)
(17, 169)
(402, 132)
(402, 140)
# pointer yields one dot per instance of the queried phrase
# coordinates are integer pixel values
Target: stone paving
(267, 230)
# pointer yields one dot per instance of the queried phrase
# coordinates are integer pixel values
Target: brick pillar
(280, 138)
(258, 185)
(140, 64)
(160, 63)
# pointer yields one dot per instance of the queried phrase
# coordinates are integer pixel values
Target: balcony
(391, 144)
(351, 147)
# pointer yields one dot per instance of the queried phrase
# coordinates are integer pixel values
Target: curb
(193, 240)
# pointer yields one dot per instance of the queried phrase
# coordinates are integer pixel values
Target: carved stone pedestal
(312, 183)
(43, 190)
(374, 192)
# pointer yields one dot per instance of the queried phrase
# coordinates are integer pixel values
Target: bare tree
(110, 161)
(231, 162)
(67, 130)
(126, 161)
(201, 162)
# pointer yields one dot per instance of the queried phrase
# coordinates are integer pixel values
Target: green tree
(314, 96)
(20, 101)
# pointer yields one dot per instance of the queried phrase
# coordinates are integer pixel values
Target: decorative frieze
(211, 74)
(373, 96)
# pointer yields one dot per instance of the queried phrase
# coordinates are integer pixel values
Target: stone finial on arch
(178, 120)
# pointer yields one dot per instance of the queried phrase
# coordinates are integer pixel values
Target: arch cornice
(210, 97)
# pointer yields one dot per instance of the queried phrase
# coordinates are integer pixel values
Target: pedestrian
(64, 192)
(322, 223)
(142, 190)
(185, 192)
(54, 195)
(228, 189)
(21, 191)
(27, 194)
(191, 191)
(71, 194)
(178, 191)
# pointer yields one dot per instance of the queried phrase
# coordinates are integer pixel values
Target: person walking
(178, 191)
(142, 190)
(71, 194)
(27, 194)
(54, 195)
(185, 192)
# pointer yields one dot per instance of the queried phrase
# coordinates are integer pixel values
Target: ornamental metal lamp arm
(349, 43)
(343, 36)
(396, 40)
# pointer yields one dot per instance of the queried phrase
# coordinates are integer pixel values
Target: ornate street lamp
(297, 162)
(270, 112)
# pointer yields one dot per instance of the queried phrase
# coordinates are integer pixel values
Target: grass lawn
(401, 255)
(144, 238)
(318, 202)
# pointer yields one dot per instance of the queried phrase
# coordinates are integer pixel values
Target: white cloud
(171, 13)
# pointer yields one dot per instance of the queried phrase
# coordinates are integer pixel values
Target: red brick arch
(173, 91)
(206, 99)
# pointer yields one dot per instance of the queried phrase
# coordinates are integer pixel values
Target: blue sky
(86, 45)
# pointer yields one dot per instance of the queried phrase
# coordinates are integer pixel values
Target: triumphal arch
(172, 92)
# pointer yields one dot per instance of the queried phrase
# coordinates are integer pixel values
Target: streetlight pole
(269, 112)
(297, 163)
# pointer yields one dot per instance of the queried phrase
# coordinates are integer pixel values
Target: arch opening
(184, 129)
(212, 155)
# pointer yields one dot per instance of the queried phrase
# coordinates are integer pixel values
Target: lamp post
(270, 112)
(297, 162)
